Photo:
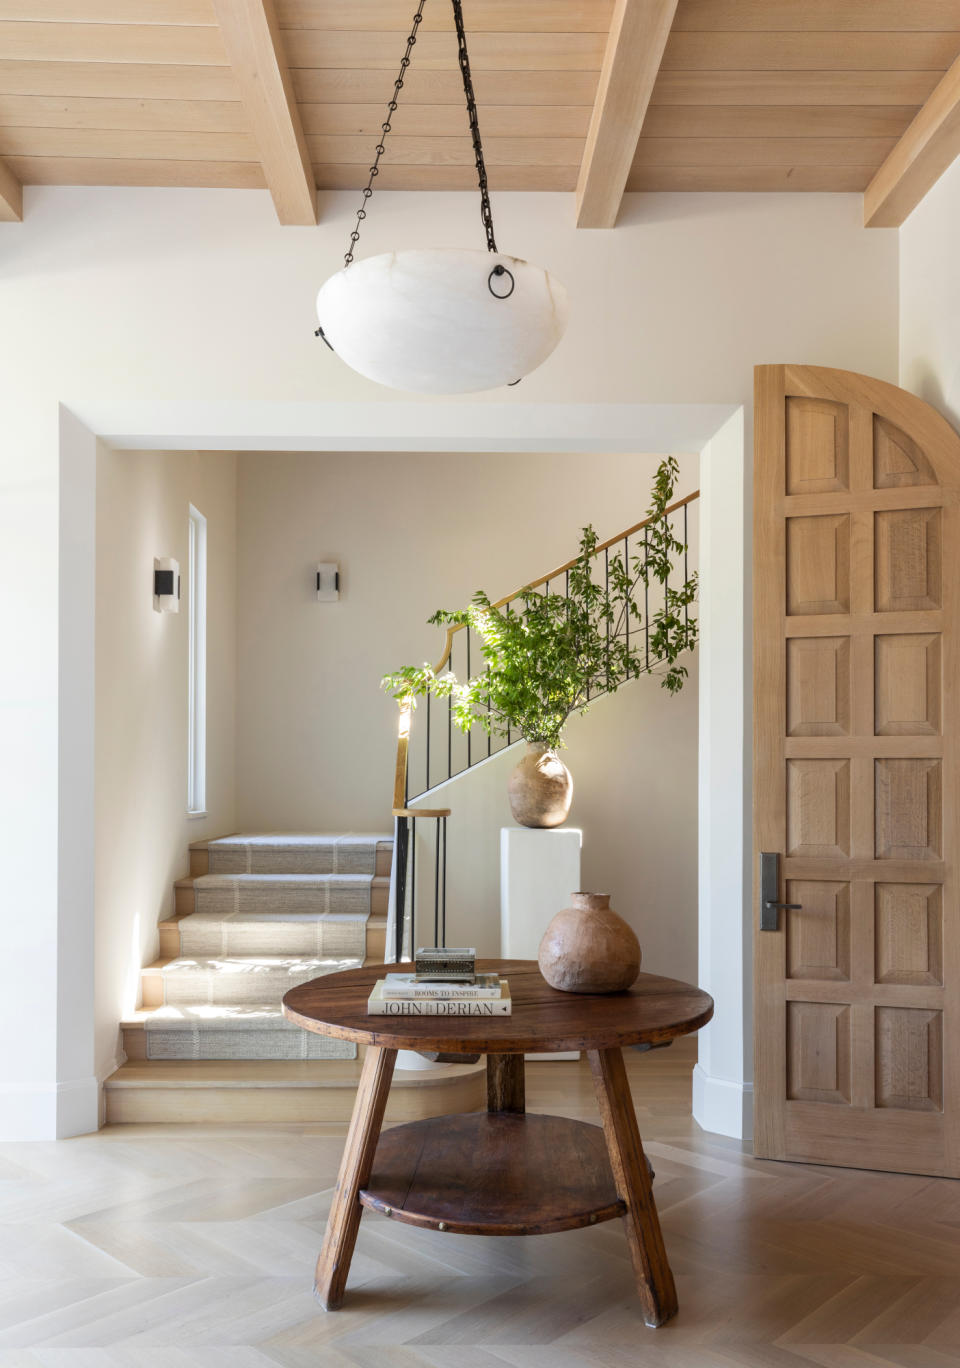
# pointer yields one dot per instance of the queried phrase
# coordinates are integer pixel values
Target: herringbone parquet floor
(193, 1247)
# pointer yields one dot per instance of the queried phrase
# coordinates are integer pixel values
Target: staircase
(256, 916)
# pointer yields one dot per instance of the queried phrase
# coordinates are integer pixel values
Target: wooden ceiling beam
(638, 35)
(925, 150)
(254, 49)
(11, 196)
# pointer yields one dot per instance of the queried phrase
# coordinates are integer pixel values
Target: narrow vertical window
(197, 707)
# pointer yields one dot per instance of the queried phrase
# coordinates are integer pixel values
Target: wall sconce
(166, 585)
(328, 581)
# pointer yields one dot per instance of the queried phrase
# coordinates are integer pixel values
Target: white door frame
(69, 1102)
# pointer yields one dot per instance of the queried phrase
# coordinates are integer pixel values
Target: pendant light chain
(385, 127)
(486, 213)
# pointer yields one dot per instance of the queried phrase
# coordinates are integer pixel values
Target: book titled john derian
(380, 1005)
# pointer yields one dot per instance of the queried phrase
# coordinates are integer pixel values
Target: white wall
(317, 737)
(930, 297)
(142, 828)
(118, 296)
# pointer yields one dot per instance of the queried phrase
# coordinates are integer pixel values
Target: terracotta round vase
(540, 789)
(587, 948)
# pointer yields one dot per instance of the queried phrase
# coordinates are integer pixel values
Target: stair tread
(265, 1015)
(237, 963)
(279, 918)
(374, 921)
(285, 880)
(268, 1073)
(301, 838)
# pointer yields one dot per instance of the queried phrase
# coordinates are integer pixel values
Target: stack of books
(444, 983)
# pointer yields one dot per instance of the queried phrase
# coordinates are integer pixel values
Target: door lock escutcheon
(769, 892)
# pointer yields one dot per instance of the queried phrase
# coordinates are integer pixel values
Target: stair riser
(245, 1045)
(331, 1105)
(170, 947)
(186, 901)
(200, 862)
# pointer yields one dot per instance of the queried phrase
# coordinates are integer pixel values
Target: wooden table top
(655, 1009)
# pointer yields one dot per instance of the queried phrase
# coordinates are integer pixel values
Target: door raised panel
(908, 553)
(909, 1058)
(817, 446)
(818, 564)
(818, 934)
(818, 807)
(908, 809)
(898, 461)
(908, 933)
(818, 686)
(907, 684)
(818, 1052)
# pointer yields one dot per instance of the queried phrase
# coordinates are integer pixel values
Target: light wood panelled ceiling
(749, 95)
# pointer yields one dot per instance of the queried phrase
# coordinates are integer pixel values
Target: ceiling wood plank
(638, 35)
(438, 51)
(421, 120)
(793, 87)
(725, 178)
(134, 80)
(408, 151)
(11, 195)
(253, 44)
(483, 16)
(818, 16)
(446, 177)
(776, 121)
(84, 111)
(327, 85)
(246, 175)
(754, 51)
(919, 159)
(788, 152)
(38, 42)
(105, 11)
(134, 144)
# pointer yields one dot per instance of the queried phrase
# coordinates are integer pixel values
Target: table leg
(631, 1174)
(343, 1222)
(505, 1083)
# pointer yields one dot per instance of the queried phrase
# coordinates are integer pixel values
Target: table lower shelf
(494, 1173)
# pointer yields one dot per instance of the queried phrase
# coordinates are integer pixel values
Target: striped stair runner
(274, 911)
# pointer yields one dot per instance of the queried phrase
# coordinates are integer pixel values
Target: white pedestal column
(539, 869)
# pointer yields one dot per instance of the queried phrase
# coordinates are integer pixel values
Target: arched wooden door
(856, 773)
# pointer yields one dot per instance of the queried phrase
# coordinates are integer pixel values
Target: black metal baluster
(470, 732)
(401, 836)
(686, 575)
(626, 568)
(413, 886)
(428, 744)
(443, 917)
(646, 596)
(666, 577)
(509, 739)
(450, 721)
(436, 888)
(606, 571)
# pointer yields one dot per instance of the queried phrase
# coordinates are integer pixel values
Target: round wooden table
(501, 1172)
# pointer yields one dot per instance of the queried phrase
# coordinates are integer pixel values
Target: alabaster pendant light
(441, 320)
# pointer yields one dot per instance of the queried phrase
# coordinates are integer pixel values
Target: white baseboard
(723, 1107)
(49, 1111)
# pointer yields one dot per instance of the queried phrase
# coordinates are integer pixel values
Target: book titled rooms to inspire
(380, 1005)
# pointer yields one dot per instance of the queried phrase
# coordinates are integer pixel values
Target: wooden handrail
(406, 713)
(562, 570)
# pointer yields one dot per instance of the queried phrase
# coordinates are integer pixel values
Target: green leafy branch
(548, 655)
